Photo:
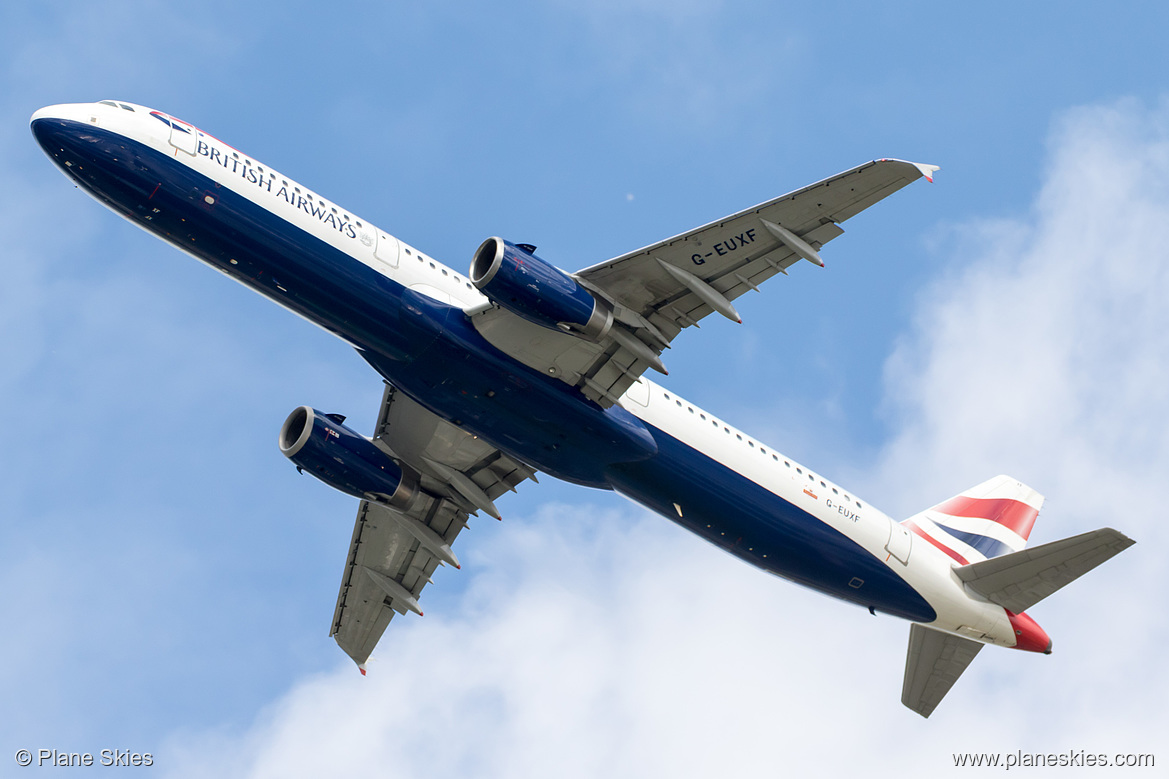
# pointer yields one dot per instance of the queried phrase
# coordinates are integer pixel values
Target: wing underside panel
(394, 551)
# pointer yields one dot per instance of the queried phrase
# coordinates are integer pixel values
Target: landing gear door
(900, 542)
(183, 136)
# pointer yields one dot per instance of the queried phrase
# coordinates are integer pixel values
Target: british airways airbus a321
(517, 366)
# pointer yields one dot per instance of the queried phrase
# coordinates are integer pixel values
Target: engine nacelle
(515, 278)
(320, 445)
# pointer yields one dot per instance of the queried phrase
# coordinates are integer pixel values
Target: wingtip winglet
(361, 667)
(925, 170)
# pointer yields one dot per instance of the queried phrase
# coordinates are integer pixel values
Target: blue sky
(167, 578)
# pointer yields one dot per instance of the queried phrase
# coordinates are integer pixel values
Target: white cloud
(610, 643)
(1047, 357)
(587, 644)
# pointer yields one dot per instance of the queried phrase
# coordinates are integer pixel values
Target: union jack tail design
(992, 519)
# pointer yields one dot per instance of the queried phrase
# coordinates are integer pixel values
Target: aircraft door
(900, 542)
(385, 248)
(183, 136)
(638, 393)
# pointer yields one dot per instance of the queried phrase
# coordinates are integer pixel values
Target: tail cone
(1028, 635)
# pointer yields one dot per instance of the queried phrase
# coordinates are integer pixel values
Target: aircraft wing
(657, 291)
(394, 553)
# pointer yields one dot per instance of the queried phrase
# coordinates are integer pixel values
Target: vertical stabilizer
(992, 519)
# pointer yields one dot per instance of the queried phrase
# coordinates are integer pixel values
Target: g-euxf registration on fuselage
(517, 367)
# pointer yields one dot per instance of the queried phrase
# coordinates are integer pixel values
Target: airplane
(518, 367)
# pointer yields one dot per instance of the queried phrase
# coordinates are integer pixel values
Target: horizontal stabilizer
(934, 662)
(1019, 580)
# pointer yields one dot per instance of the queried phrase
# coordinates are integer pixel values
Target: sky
(167, 579)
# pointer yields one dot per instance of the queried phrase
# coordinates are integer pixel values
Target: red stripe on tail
(909, 523)
(1013, 514)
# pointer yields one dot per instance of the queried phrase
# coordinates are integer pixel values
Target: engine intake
(512, 276)
(347, 461)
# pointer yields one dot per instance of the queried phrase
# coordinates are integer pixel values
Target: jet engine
(320, 445)
(512, 276)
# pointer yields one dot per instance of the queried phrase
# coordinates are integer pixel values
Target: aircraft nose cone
(57, 127)
(41, 125)
(48, 126)
(44, 113)
(72, 138)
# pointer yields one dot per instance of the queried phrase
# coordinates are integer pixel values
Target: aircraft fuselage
(406, 315)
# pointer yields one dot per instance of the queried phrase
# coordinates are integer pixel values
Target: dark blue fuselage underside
(433, 353)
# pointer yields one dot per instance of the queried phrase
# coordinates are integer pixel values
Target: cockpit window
(128, 108)
(108, 102)
(116, 105)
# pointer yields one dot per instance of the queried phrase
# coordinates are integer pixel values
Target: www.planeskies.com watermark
(1070, 759)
